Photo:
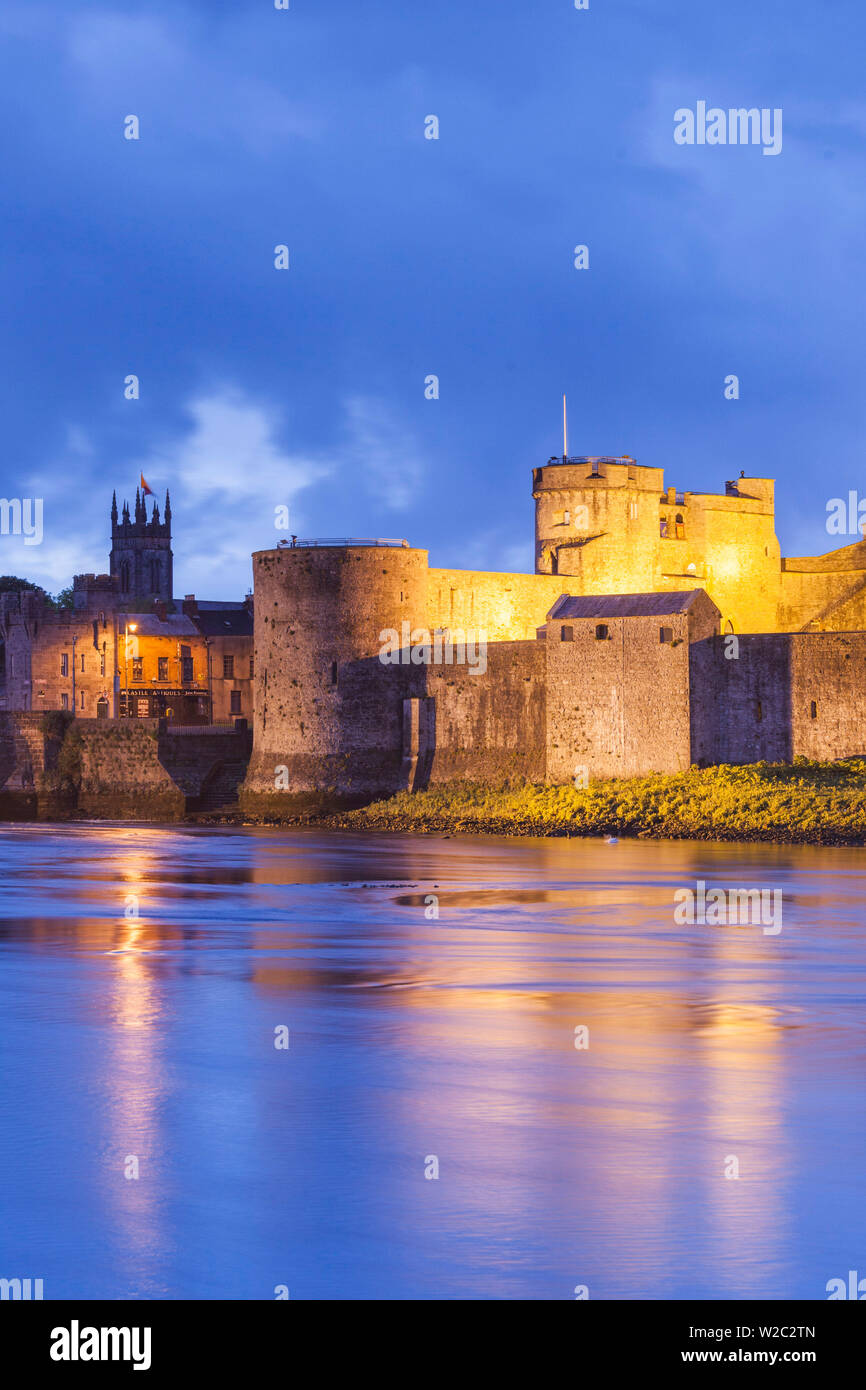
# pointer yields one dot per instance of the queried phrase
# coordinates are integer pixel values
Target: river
(240, 1063)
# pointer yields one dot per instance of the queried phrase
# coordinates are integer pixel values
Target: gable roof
(624, 605)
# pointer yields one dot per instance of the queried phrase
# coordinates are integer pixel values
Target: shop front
(181, 706)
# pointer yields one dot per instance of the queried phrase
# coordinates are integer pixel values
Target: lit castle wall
(611, 526)
(611, 659)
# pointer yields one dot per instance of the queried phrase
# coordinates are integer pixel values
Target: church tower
(141, 558)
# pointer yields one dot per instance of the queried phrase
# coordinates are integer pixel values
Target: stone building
(615, 658)
(125, 648)
(226, 629)
(660, 629)
(611, 526)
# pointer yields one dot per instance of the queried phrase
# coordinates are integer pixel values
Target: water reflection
(145, 971)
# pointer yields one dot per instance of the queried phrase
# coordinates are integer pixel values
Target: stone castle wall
(604, 532)
(785, 695)
(52, 765)
(492, 726)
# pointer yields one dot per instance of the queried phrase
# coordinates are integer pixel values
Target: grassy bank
(805, 802)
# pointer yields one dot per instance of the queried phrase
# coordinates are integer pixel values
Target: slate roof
(224, 622)
(623, 605)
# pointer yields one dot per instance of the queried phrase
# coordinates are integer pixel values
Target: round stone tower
(597, 519)
(328, 726)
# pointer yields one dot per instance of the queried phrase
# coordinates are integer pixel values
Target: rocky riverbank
(800, 803)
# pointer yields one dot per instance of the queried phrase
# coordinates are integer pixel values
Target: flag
(147, 490)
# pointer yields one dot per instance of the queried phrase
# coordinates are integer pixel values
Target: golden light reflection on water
(133, 1077)
(689, 1061)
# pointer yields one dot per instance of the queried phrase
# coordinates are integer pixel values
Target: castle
(660, 629)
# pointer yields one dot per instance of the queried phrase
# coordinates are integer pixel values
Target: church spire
(114, 508)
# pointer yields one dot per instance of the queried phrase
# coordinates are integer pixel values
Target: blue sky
(410, 256)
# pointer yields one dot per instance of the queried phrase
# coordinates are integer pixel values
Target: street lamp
(127, 628)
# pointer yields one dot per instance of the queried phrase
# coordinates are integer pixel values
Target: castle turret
(580, 501)
(329, 711)
(612, 527)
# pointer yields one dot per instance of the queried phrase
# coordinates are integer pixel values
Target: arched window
(680, 527)
(663, 526)
(124, 576)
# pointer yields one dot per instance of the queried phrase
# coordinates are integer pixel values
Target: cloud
(228, 472)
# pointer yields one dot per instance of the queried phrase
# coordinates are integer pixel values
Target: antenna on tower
(564, 431)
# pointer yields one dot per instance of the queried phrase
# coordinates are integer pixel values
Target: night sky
(410, 256)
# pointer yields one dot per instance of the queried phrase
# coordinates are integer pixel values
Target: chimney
(189, 605)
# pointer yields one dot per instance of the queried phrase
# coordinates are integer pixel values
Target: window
(228, 667)
(252, 667)
(595, 472)
(64, 663)
(663, 526)
(82, 699)
(137, 673)
(680, 527)
(558, 518)
(666, 634)
(602, 632)
(82, 663)
(566, 517)
(186, 670)
(333, 673)
(235, 697)
(566, 634)
(102, 661)
(124, 576)
(813, 710)
(64, 701)
(162, 668)
(759, 711)
(632, 511)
